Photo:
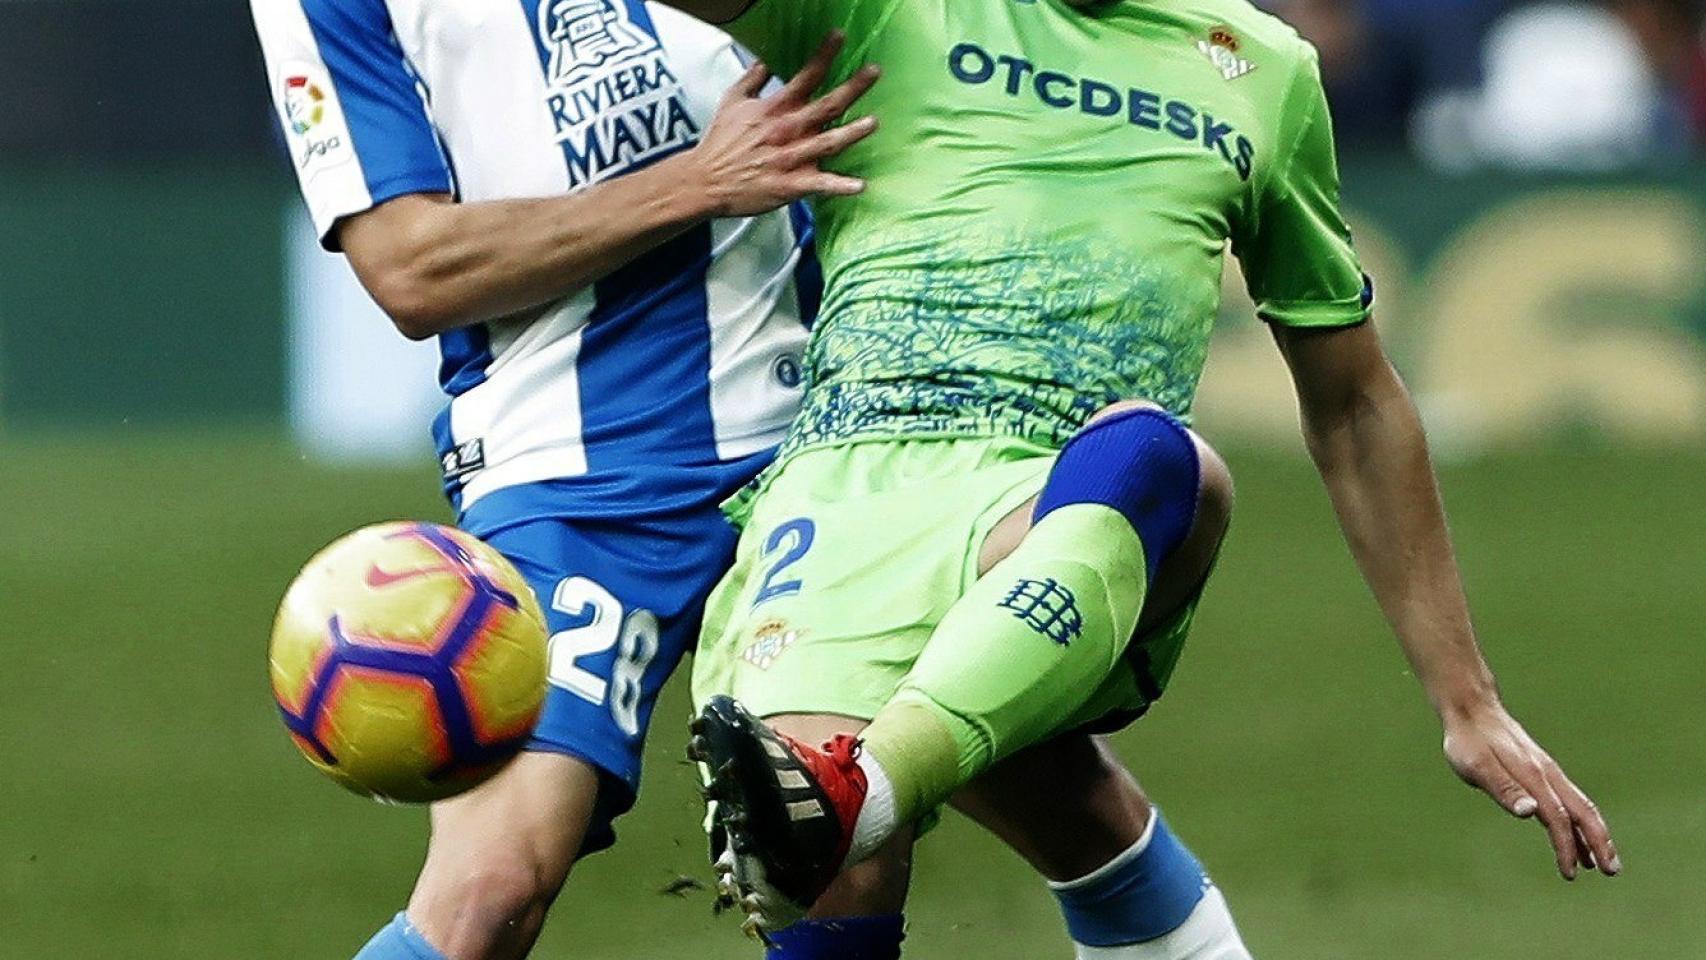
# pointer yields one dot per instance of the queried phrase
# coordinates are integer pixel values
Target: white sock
(878, 818)
(1208, 934)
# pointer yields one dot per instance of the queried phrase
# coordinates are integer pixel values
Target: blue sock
(1143, 894)
(399, 941)
(853, 938)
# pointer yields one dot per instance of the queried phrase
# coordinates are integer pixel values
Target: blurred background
(193, 399)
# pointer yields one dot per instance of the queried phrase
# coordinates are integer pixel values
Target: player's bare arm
(435, 265)
(1366, 437)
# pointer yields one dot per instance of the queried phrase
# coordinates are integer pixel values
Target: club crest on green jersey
(1221, 48)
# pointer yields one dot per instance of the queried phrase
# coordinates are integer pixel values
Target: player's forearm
(450, 265)
(1373, 455)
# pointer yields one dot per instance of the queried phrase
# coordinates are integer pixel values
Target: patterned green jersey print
(1050, 199)
(995, 338)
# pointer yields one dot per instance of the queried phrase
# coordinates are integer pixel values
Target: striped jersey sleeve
(355, 114)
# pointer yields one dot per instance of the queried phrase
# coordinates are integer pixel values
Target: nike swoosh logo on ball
(379, 579)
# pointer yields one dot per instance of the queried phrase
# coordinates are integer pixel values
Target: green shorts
(850, 557)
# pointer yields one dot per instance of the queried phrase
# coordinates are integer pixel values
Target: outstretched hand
(763, 152)
(1492, 752)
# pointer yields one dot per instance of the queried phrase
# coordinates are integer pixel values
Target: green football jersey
(1051, 196)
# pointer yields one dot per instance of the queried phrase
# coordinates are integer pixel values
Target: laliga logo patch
(304, 104)
(1221, 48)
(310, 115)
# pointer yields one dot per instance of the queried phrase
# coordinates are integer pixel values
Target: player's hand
(1491, 751)
(762, 152)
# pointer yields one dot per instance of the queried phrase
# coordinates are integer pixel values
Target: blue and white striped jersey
(632, 395)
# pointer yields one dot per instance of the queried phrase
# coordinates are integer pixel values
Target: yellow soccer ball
(408, 661)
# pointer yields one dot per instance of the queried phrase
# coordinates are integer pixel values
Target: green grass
(151, 806)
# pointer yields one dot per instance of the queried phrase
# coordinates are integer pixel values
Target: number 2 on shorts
(792, 540)
(597, 623)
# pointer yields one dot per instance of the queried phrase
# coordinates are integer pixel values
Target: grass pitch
(152, 807)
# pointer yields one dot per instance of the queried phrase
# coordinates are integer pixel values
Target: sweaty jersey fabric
(1050, 199)
(642, 394)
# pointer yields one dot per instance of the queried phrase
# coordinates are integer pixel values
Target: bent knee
(1143, 462)
(1215, 490)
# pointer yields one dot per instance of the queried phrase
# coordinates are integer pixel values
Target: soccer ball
(408, 661)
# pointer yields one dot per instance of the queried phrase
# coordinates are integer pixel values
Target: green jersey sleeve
(1295, 246)
(783, 33)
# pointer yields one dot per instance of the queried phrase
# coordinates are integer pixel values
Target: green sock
(1026, 646)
